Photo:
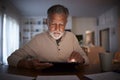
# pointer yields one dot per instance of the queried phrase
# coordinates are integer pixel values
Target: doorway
(104, 39)
(90, 39)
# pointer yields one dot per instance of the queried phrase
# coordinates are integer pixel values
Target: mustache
(57, 32)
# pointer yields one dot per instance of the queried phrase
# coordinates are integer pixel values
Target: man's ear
(47, 21)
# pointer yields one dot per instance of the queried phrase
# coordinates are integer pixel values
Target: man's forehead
(57, 14)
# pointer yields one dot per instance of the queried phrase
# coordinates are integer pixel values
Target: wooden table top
(80, 71)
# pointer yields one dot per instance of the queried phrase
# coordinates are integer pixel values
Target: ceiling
(84, 8)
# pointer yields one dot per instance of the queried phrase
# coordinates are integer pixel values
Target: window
(0, 38)
(10, 36)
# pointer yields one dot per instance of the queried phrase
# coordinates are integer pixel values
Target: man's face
(56, 25)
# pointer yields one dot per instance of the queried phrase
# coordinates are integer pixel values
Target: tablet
(62, 66)
(65, 63)
(62, 63)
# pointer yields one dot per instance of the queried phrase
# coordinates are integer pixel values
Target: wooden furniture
(34, 73)
(80, 71)
(117, 57)
(93, 54)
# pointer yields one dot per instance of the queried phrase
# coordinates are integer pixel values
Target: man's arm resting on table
(24, 64)
(33, 64)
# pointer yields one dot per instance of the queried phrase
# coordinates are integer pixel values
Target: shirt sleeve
(78, 48)
(22, 53)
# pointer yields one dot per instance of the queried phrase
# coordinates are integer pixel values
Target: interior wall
(109, 19)
(11, 11)
(82, 24)
(119, 26)
(119, 33)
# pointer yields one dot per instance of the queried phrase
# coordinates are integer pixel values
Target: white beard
(56, 35)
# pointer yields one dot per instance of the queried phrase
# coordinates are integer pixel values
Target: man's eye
(62, 25)
(53, 24)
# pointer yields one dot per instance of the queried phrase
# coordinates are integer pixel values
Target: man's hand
(76, 57)
(33, 64)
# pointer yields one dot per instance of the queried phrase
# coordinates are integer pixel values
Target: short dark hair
(58, 9)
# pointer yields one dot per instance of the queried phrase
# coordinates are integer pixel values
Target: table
(80, 71)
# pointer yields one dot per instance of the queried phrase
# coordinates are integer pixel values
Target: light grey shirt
(45, 48)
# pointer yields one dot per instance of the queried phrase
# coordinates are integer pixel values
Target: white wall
(69, 23)
(82, 24)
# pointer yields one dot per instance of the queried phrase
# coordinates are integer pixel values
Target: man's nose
(57, 28)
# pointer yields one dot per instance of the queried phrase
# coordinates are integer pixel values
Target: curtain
(10, 37)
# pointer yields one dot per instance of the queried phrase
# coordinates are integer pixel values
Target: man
(55, 45)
